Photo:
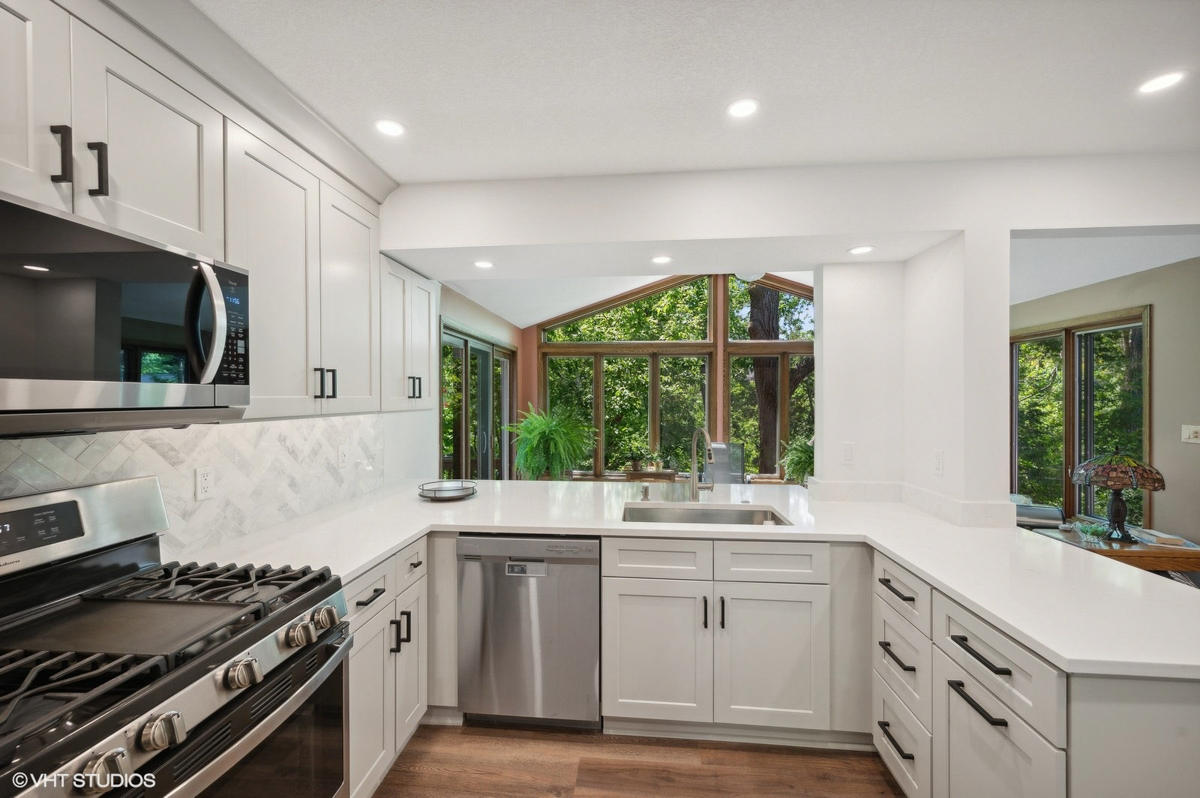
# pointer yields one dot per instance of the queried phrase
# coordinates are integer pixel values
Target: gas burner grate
(47, 693)
(228, 583)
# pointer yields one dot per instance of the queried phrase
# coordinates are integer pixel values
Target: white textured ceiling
(529, 284)
(530, 88)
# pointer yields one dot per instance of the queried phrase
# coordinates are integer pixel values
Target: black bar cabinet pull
(332, 384)
(883, 727)
(375, 594)
(416, 564)
(887, 649)
(396, 624)
(321, 393)
(406, 615)
(886, 582)
(101, 150)
(722, 612)
(705, 611)
(66, 147)
(958, 686)
(962, 643)
(420, 388)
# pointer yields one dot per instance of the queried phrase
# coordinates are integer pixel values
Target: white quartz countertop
(1083, 613)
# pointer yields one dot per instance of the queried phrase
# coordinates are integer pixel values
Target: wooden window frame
(716, 347)
(1070, 331)
(468, 337)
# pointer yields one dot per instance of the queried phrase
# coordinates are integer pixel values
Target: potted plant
(655, 458)
(550, 444)
(636, 458)
(798, 460)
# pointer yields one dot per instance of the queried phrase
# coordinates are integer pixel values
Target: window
(760, 311)
(1079, 389)
(682, 407)
(626, 411)
(477, 403)
(570, 387)
(677, 313)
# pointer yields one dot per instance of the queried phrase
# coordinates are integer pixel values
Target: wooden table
(1140, 555)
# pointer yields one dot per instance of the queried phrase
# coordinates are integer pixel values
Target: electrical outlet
(206, 483)
(343, 456)
(1191, 433)
(939, 462)
(847, 452)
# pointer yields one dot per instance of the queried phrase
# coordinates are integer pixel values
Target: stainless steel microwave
(100, 330)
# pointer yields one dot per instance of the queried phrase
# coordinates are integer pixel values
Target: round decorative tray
(447, 490)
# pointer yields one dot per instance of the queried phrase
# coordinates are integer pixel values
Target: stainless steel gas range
(124, 676)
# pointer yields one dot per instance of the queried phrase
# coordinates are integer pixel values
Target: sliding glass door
(478, 386)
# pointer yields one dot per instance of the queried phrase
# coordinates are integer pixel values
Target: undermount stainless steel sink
(737, 514)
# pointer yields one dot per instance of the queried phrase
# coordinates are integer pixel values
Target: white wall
(859, 348)
(469, 316)
(410, 445)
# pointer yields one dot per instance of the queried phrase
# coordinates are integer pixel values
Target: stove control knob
(325, 617)
(105, 772)
(163, 731)
(301, 633)
(243, 673)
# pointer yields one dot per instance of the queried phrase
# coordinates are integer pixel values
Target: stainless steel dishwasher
(529, 628)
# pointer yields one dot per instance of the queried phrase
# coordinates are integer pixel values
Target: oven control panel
(34, 527)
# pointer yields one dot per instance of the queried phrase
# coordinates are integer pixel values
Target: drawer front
(764, 561)
(657, 558)
(904, 592)
(902, 658)
(984, 749)
(370, 593)
(903, 743)
(412, 561)
(1030, 686)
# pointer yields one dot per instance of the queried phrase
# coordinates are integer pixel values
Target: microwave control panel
(235, 361)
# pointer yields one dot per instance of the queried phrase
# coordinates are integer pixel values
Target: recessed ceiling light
(742, 108)
(389, 128)
(484, 264)
(863, 250)
(661, 259)
(37, 268)
(1162, 82)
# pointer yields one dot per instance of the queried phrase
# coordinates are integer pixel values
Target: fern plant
(798, 460)
(550, 443)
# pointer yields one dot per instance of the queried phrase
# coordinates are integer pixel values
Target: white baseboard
(827, 491)
(442, 716)
(961, 513)
(800, 738)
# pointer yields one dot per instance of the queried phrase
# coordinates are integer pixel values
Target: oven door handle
(221, 765)
(205, 365)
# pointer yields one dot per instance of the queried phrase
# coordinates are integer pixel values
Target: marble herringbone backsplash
(266, 471)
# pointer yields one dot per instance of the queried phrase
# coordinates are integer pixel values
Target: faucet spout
(696, 484)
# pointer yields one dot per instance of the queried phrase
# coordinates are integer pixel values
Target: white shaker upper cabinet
(423, 342)
(273, 229)
(396, 388)
(148, 155)
(350, 306)
(35, 96)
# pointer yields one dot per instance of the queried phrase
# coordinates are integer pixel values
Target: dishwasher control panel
(526, 569)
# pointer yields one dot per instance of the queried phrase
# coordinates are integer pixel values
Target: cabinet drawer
(411, 563)
(657, 558)
(903, 743)
(904, 592)
(765, 561)
(902, 659)
(983, 749)
(1030, 686)
(370, 593)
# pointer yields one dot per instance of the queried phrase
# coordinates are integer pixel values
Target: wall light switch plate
(1191, 433)
(343, 455)
(847, 452)
(206, 483)
(939, 462)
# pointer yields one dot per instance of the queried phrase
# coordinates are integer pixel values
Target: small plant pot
(635, 465)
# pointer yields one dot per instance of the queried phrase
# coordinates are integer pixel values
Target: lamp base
(1117, 513)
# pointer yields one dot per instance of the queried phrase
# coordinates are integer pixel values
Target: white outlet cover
(847, 452)
(939, 462)
(343, 455)
(206, 483)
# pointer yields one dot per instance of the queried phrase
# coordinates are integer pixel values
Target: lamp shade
(1117, 471)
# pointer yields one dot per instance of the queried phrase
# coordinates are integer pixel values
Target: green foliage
(570, 391)
(452, 408)
(1040, 420)
(677, 314)
(1093, 530)
(798, 460)
(550, 442)
(683, 400)
(626, 410)
(795, 314)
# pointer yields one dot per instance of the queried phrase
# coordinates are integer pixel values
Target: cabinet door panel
(657, 654)
(35, 93)
(273, 230)
(349, 303)
(772, 655)
(394, 384)
(412, 669)
(422, 337)
(164, 149)
(372, 704)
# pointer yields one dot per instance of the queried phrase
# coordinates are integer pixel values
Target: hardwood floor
(477, 761)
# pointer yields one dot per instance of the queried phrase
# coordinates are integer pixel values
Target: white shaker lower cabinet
(273, 230)
(372, 704)
(982, 749)
(411, 647)
(772, 654)
(348, 379)
(657, 649)
(149, 156)
(35, 96)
